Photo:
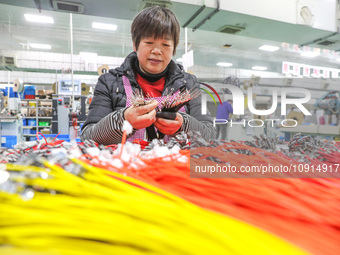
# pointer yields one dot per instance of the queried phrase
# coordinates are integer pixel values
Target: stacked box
(40, 93)
(45, 131)
(29, 92)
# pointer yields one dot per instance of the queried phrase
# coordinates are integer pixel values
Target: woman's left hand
(169, 127)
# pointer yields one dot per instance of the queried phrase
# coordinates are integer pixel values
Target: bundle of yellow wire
(94, 213)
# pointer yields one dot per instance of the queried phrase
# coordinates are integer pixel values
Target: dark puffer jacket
(105, 118)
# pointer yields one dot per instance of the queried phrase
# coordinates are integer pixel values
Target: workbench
(312, 130)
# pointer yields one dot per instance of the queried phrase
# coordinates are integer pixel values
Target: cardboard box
(24, 111)
(45, 131)
(49, 93)
(48, 112)
(6, 101)
(45, 104)
(40, 93)
(31, 112)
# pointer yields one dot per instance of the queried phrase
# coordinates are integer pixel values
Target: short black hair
(155, 21)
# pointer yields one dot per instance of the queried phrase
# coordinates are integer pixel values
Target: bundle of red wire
(304, 211)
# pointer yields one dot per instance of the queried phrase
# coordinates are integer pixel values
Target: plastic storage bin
(63, 137)
(8, 141)
(11, 92)
(29, 96)
(29, 92)
(44, 124)
(31, 122)
(66, 138)
(26, 131)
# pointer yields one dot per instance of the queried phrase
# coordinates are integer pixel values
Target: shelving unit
(32, 126)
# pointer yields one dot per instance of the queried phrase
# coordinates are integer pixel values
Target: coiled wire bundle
(304, 211)
(64, 206)
(75, 208)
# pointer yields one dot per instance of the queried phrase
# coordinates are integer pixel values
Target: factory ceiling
(214, 35)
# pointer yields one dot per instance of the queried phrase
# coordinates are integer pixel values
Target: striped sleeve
(206, 128)
(107, 131)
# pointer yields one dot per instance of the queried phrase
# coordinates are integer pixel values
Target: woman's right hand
(141, 116)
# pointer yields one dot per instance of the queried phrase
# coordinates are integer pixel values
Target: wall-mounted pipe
(194, 16)
(209, 16)
(38, 4)
(319, 39)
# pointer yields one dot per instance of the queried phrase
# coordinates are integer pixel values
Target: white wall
(53, 61)
(211, 72)
(58, 61)
(34, 78)
(324, 11)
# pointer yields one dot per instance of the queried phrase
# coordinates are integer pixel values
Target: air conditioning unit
(65, 6)
(229, 29)
(8, 61)
(150, 3)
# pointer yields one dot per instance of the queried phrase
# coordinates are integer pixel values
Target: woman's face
(153, 54)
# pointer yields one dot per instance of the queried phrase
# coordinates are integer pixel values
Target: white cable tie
(127, 127)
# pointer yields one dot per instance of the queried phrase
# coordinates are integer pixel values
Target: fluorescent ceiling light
(39, 18)
(310, 54)
(104, 26)
(269, 48)
(224, 64)
(259, 68)
(40, 46)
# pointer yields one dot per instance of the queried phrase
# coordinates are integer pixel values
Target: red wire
(37, 134)
(74, 121)
(303, 211)
(122, 144)
(55, 137)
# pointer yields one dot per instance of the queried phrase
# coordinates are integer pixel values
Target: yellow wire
(96, 208)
